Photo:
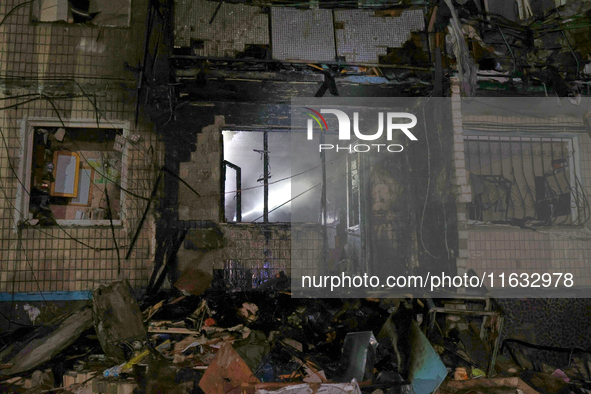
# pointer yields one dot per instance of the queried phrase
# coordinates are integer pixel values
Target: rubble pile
(267, 341)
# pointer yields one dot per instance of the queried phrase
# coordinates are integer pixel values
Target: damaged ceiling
(544, 49)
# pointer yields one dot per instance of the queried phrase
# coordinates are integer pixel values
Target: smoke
(288, 155)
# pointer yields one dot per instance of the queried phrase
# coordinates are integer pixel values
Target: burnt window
(257, 171)
(525, 181)
(294, 177)
(67, 168)
(71, 171)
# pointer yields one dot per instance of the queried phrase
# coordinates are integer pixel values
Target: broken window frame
(266, 165)
(27, 130)
(579, 212)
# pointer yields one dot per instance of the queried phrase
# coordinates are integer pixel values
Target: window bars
(525, 181)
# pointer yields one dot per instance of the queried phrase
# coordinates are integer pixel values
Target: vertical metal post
(238, 194)
(223, 188)
(266, 176)
(323, 203)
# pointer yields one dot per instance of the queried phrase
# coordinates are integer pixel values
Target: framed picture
(85, 179)
(66, 170)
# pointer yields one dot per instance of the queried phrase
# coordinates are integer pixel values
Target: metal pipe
(238, 189)
(266, 176)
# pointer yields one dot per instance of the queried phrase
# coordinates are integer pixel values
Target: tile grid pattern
(302, 34)
(46, 58)
(295, 34)
(306, 250)
(233, 27)
(531, 252)
(249, 250)
(511, 250)
(365, 37)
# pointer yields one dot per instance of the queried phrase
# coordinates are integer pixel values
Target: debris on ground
(117, 317)
(44, 343)
(265, 341)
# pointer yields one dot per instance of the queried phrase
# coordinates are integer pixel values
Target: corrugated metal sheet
(302, 34)
(233, 27)
(363, 37)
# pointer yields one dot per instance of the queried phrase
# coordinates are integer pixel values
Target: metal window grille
(525, 181)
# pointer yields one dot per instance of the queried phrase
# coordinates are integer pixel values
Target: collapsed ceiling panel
(218, 29)
(302, 34)
(363, 37)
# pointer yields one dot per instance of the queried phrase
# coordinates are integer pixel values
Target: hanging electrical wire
(98, 113)
(9, 13)
(84, 157)
(287, 178)
(113, 231)
(302, 193)
(20, 248)
(28, 193)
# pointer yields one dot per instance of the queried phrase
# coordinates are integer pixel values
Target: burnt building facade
(174, 122)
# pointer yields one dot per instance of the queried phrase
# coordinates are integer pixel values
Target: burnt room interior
(161, 207)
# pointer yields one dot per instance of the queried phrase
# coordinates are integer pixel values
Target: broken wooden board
(172, 330)
(117, 317)
(48, 342)
(226, 372)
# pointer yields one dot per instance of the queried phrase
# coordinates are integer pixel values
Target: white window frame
(27, 128)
